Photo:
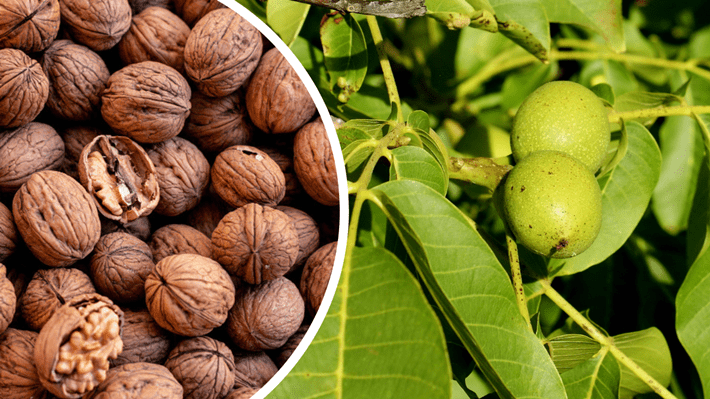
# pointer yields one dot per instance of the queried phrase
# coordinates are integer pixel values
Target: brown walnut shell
(120, 265)
(314, 163)
(56, 218)
(255, 243)
(74, 346)
(138, 381)
(242, 393)
(8, 299)
(28, 149)
(216, 123)
(77, 77)
(204, 367)
(8, 233)
(156, 34)
(243, 174)
(192, 11)
(98, 24)
(48, 290)
(139, 5)
(206, 215)
(24, 88)
(189, 294)
(143, 339)
(18, 374)
(183, 174)
(264, 316)
(147, 101)
(221, 52)
(316, 275)
(284, 158)
(307, 230)
(120, 177)
(252, 369)
(277, 99)
(173, 239)
(282, 354)
(139, 228)
(75, 139)
(29, 25)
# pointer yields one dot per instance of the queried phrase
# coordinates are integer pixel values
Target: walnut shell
(206, 215)
(138, 381)
(73, 228)
(243, 174)
(147, 101)
(264, 316)
(192, 11)
(216, 123)
(314, 163)
(282, 354)
(143, 339)
(28, 149)
(29, 25)
(24, 88)
(139, 228)
(48, 290)
(277, 99)
(316, 275)
(204, 367)
(221, 52)
(284, 158)
(75, 139)
(18, 374)
(77, 77)
(139, 5)
(120, 177)
(173, 239)
(255, 243)
(252, 369)
(8, 233)
(156, 34)
(307, 230)
(183, 174)
(98, 24)
(120, 265)
(8, 299)
(242, 393)
(189, 294)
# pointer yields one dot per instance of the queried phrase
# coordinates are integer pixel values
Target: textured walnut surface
(282, 354)
(316, 275)
(143, 339)
(307, 230)
(27, 149)
(176, 239)
(8, 233)
(98, 24)
(138, 381)
(18, 374)
(204, 366)
(314, 163)
(284, 158)
(242, 393)
(24, 88)
(253, 369)
(216, 123)
(56, 218)
(75, 139)
(29, 25)
(8, 299)
(193, 10)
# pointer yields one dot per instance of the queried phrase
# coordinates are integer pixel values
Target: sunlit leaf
(569, 350)
(603, 17)
(649, 350)
(454, 14)
(524, 22)
(596, 378)
(286, 18)
(345, 51)
(414, 163)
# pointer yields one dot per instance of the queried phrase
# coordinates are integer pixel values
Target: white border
(342, 191)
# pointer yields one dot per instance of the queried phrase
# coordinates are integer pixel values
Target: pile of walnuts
(168, 201)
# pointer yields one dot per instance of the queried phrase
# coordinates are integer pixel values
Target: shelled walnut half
(120, 176)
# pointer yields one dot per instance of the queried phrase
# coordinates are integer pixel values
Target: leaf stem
(385, 65)
(598, 336)
(481, 171)
(517, 278)
(615, 117)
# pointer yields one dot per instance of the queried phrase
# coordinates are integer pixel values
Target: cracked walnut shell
(29, 25)
(24, 88)
(314, 163)
(98, 24)
(138, 381)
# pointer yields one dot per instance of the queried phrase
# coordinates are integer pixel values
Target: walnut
(8, 233)
(139, 5)
(24, 88)
(264, 316)
(120, 177)
(8, 299)
(284, 159)
(242, 393)
(314, 163)
(206, 215)
(75, 139)
(147, 101)
(189, 294)
(143, 339)
(138, 381)
(18, 374)
(277, 99)
(282, 354)
(192, 11)
(74, 228)
(183, 174)
(221, 52)
(28, 149)
(139, 228)
(74, 346)
(216, 123)
(316, 275)
(252, 369)
(48, 290)
(243, 174)
(29, 25)
(98, 24)
(204, 367)
(156, 34)
(173, 239)
(120, 265)
(255, 243)
(307, 230)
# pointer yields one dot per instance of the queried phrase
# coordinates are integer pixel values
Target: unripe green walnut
(552, 203)
(562, 116)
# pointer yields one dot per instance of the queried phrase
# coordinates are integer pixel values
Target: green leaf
(419, 120)
(414, 163)
(345, 51)
(638, 100)
(626, 192)
(603, 17)
(524, 22)
(360, 129)
(380, 338)
(569, 350)
(605, 92)
(471, 288)
(433, 144)
(358, 152)
(648, 349)
(698, 238)
(596, 378)
(517, 86)
(255, 6)
(614, 73)
(454, 14)
(476, 49)
(286, 18)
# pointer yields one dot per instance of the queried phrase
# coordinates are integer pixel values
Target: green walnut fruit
(552, 204)
(562, 116)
